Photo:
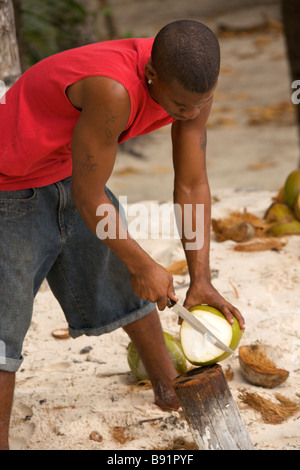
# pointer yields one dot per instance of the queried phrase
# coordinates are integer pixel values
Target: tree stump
(10, 68)
(210, 410)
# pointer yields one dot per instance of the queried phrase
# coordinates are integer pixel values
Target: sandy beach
(80, 394)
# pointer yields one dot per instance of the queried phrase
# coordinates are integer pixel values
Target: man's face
(179, 103)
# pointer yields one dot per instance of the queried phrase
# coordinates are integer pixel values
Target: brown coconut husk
(262, 244)
(258, 369)
(271, 413)
(239, 227)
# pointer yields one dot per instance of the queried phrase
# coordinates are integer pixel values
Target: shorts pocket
(14, 204)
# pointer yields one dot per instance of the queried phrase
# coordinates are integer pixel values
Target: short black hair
(189, 52)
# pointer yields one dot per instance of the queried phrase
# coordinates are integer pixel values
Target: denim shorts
(42, 236)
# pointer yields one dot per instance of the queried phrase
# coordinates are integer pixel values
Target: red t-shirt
(37, 119)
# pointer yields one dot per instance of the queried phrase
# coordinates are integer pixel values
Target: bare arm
(191, 188)
(105, 112)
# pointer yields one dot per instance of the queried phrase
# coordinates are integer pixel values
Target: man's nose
(193, 113)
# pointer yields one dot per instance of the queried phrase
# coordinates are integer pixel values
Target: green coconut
(297, 207)
(286, 228)
(197, 348)
(292, 188)
(175, 352)
(279, 212)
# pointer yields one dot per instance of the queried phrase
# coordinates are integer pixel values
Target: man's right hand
(153, 282)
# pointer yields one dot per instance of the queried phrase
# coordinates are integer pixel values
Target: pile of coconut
(258, 234)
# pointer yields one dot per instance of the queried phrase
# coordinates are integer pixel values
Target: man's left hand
(205, 293)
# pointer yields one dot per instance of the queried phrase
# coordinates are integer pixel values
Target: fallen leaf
(95, 436)
(178, 267)
(127, 171)
(283, 113)
(263, 244)
(261, 165)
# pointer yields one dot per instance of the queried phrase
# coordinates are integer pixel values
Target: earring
(150, 82)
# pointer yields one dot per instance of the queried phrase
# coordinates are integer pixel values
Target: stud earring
(150, 82)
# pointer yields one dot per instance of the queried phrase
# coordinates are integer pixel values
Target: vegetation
(48, 27)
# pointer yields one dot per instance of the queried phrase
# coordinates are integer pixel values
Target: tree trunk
(291, 22)
(210, 410)
(10, 69)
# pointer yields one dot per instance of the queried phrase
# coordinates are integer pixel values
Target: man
(65, 118)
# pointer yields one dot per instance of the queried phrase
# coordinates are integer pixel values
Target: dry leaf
(283, 113)
(267, 25)
(127, 171)
(95, 436)
(161, 170)
(225, 122)
(227, 71)
(121, 434)
(262, 41)
(263, 244)
(261, 165)
(178, 267)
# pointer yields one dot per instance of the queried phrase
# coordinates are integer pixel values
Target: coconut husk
(239, 227)
(262, 244)
(271, 413)
(258, 369)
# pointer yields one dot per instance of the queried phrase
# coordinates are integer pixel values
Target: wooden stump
(210, 410)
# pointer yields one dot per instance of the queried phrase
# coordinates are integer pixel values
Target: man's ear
(150, 71)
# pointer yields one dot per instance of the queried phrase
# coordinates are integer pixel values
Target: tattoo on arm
(203, 140)
(110, 118)
(86, 165)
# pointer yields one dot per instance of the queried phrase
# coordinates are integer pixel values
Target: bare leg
(147, 336)
(7, 386)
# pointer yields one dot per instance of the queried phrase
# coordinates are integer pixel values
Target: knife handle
(170, 303)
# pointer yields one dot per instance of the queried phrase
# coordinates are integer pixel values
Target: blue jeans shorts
(42, 236)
